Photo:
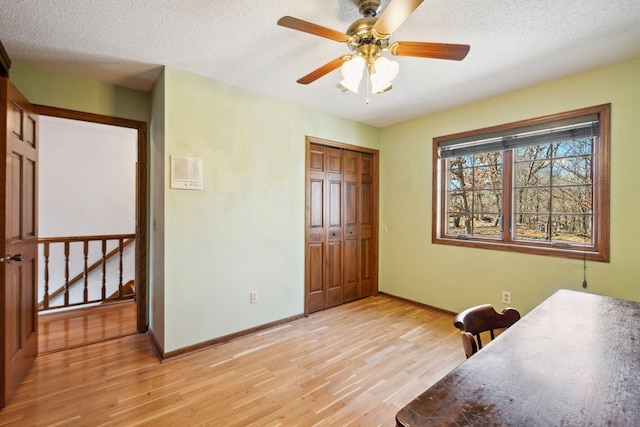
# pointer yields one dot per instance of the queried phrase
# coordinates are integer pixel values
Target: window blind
(580, 127)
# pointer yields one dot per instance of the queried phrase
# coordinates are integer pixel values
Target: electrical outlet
(506, 297)
(253, 297)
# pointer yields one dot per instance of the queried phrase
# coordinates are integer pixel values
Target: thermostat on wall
(186, 173)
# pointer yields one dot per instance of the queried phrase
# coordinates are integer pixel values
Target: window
(539, 186)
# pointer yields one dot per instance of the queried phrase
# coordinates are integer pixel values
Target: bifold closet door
(351, 161)
(341, 247)
(359, 218)
(324, 230)
(367, 248)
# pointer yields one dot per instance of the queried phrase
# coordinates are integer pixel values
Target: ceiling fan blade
(325, 69)
(394, 15)
(455, 52)
(317, 30)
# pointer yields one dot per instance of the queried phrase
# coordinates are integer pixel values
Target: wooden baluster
(104, 269)
(123, 240)
(46, 276)
(120, 289)
(66, 274)
(86, 271)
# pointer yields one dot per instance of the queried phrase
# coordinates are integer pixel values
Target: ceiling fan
(368, 38)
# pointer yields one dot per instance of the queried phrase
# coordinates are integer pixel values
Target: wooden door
(316, 232)
(368, 252)
(341, 241)
(351, 213)
(360, 256)
(324, 227)
(18, 242)
(334, 227)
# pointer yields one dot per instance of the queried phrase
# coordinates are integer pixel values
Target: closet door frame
(334, 144)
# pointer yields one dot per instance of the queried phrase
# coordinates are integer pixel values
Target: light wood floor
(82, 326)
(356, 364)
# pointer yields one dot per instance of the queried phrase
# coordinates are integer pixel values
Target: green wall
(156, 210)
(62, 90)
(454, 278)
(245, 230)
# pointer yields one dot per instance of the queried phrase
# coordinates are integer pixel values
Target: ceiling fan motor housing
(361, 32)
(369, 8)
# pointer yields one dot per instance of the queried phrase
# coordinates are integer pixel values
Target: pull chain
(584, 264)
(368, 90)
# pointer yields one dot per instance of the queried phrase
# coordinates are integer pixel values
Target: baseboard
(155, 344)
(205, 345)
(419, 304)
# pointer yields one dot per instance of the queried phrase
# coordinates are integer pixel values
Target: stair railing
(124, 290)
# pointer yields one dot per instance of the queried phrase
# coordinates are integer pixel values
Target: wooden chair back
(482, 318)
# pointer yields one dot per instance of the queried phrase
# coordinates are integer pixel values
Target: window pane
(492, 158)
(533, 173)
(576, 147)
(459, 202)
(531, 215)
(574, 229)
(571, 199)
(532, 227)
(572, 170)
(474, 194)
(488, 177)
(487, 225)
(536, 152)
(532, 200)
(486, 201)
(459, 224)
(459, 178)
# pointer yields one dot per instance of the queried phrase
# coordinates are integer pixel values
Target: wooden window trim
(601, 195)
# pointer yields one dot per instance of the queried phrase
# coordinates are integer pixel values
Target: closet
(341, 224)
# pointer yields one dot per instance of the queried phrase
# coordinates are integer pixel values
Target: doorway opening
(92, 228)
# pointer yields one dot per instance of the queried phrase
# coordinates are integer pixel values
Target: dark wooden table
(572, 361)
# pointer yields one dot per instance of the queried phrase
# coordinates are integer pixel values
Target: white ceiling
(514, 44)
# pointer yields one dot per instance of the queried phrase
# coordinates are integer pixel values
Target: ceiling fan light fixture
(369, 37)
(352, 73)
(379, 86)
(382, 73)
(387, 70)
(350, 85)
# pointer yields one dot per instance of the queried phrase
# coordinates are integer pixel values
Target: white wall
(87, 186)
(87, 178)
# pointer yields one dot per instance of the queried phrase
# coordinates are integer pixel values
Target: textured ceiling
(514, 44)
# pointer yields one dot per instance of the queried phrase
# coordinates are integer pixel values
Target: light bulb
(352, 72)
(385, 71)
(378, 85)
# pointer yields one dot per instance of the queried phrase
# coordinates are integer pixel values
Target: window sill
(532, 249)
